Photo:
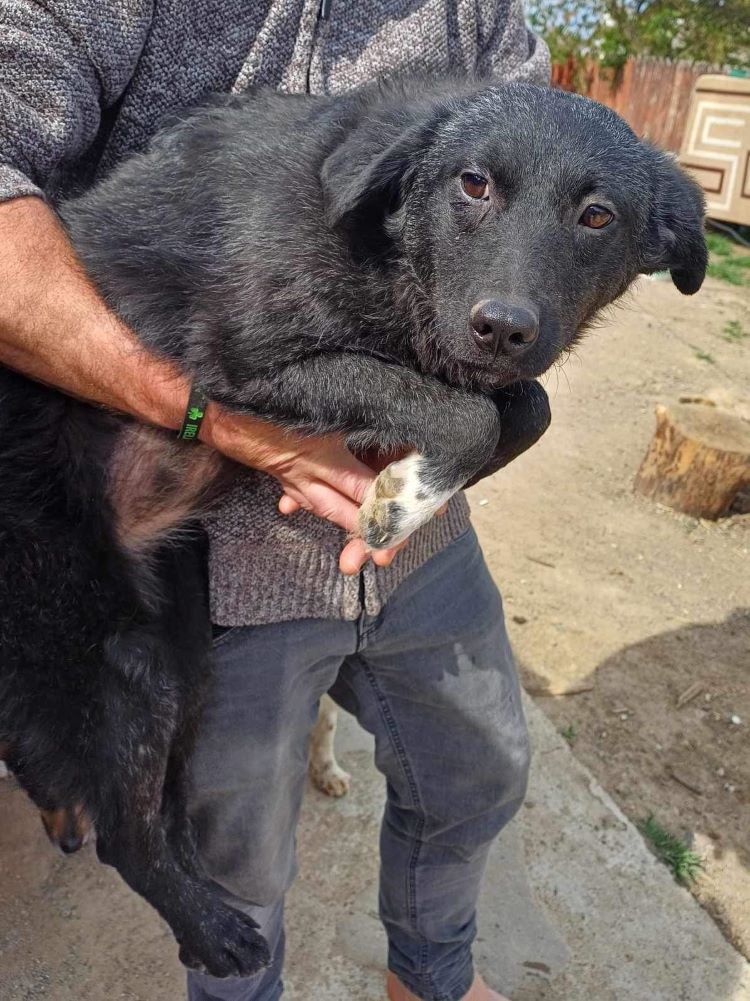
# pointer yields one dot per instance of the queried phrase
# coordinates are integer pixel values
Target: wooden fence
(652, 95)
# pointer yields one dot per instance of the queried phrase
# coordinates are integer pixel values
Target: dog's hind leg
(179, 827)
(325, 771)
(213, 937)
(133, 744)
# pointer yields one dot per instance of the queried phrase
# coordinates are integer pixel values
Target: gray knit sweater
(83, 84)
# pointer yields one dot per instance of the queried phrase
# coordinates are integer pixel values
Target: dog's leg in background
(525, 415)
(325, 771)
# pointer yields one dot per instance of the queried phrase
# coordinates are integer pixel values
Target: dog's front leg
(406, 494)
(525, 415)
(449, 433)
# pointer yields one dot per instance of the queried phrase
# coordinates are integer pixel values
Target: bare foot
(479, 991)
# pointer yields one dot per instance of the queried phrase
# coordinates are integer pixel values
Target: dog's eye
(475, 185)
(596, 217)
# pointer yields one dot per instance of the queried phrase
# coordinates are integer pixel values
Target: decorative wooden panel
(716, 145)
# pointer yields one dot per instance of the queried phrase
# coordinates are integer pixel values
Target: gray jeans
(432, 678)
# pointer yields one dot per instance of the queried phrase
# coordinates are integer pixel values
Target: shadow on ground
(689, 764)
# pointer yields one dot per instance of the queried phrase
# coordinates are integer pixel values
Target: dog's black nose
(505, 329)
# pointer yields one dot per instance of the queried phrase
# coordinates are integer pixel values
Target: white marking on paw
(398, 503)
(3, 770)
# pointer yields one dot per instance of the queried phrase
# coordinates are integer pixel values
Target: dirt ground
(629, 603)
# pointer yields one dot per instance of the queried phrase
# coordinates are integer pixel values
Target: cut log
(698, 461)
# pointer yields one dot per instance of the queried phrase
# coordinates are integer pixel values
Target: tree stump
(698, 461)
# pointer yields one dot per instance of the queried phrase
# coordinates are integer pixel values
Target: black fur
(312, 261)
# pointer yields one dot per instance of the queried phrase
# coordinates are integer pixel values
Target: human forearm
(55, 328)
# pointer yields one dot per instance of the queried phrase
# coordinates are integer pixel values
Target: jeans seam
(226, 636)
(398, 746)
(367, 632)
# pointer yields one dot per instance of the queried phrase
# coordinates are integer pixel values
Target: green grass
(734, 332)
(684, 863)
(727, 262)
(570, 733)
(703, 355)
(719, 245)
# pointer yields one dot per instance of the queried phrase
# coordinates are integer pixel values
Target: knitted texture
(83, 84)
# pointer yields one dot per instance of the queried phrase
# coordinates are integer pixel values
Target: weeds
(719, 245)
(703, 355)
(726, 262)
(684, 863)
(570, 733)
(734, 332)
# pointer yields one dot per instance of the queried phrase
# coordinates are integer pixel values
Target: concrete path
(575, 907)
(589, 915)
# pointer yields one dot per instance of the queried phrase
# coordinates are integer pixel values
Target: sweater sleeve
(62, 63)
(507, 48)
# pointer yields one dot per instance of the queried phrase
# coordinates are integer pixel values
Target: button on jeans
(432, 678)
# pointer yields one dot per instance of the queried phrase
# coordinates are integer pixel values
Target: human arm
(55, 328)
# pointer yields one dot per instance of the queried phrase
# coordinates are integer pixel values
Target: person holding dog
(413, 643)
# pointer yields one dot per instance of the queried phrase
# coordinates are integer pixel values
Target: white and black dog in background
(396, 266)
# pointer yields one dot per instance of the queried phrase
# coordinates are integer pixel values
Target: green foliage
(570, 733)
(707, 31)
(731, 270)
(566, 26)
(727, 262)
(703, 355)
(734, 332)
(685, 864)
(719, 245)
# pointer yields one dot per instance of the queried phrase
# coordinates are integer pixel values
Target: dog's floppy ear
(371, 169)
(676, 239)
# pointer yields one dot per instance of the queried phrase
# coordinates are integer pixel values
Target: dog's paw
(224, 943)
(398, 502)
(330, 778)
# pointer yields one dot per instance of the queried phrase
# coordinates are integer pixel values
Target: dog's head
(520, 212)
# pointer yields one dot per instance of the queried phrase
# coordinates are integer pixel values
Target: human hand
(318, 474)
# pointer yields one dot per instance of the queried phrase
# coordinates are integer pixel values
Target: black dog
(396, 266)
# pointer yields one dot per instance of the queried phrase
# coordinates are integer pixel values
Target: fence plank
(652, 95)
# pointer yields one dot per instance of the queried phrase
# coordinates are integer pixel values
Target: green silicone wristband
(194, 414)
